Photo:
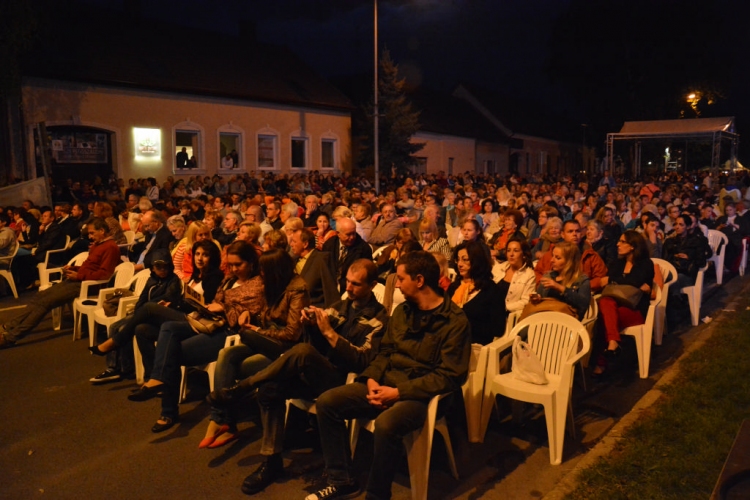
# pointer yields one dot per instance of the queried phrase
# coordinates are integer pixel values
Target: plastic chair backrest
(79, 259)
(129, 237)
(649, 323)
(140, 280)
(667, 270)
(715, 238)
(554, 337)
(9, 258)
(123, 274)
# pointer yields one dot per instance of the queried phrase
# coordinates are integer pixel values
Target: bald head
(347, 231)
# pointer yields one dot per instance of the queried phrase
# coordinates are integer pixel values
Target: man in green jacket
(425, 352)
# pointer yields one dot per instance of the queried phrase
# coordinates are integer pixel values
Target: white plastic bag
(526, 366)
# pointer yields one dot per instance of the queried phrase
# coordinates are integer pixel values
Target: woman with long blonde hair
(566, 281)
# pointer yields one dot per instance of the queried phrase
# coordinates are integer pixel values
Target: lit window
(229, 144)
(186, 149)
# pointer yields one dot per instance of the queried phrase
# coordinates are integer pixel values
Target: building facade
(139, 132)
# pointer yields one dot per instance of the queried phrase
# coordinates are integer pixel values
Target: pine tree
(397, 123)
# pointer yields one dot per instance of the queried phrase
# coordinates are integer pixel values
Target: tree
(397, 123)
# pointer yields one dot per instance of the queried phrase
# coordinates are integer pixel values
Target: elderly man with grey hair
(157, 235)
(312, 211)
(232, 223)
(387, 228)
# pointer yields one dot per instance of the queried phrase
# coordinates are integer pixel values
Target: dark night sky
(438, 43)
(501, 45)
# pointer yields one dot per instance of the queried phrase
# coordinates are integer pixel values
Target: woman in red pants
(633, 267)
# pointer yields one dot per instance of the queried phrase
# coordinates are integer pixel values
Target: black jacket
(51, 239)
(359, 250)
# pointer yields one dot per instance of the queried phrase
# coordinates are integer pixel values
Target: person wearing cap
(162, 286)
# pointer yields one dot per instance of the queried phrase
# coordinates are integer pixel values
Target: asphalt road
(62, 437)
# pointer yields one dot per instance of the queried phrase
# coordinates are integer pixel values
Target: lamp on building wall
(147, 144)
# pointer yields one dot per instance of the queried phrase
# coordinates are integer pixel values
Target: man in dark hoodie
(162, 285)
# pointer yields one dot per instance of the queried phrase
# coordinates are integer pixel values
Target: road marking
(11, 308)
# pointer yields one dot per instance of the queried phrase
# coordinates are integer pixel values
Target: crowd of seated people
(282, 258)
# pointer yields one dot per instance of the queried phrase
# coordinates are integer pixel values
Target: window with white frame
(299, 152)
(230, 145)
(267, 151)
(328, 154)
(187, 149)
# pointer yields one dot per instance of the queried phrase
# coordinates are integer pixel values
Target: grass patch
(678, 450)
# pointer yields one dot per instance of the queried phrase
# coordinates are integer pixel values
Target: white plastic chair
(126, 305)
(743, 262)
(715, 240)
(667, 270)
(473, 388)
(123, 274)
(555, 338)
(694, 294)
(643, 335)
(209, 368)
(418, 447)
(57, 311)
(5, 271)
(46, 272)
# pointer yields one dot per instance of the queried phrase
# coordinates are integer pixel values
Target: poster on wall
(79, 147)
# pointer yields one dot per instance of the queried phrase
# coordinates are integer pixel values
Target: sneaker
(342, 492)
(265, 475)
(108, 375)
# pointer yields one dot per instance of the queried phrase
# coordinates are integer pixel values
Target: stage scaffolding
(696, 129)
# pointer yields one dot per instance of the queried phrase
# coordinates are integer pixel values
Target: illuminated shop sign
(147, 144)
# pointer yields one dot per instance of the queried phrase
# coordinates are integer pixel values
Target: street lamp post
(375, 144)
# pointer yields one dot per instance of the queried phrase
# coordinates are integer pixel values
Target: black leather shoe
(168, 424)
(144, 393)
(266, 474)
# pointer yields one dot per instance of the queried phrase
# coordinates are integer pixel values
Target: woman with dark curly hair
(476, 293)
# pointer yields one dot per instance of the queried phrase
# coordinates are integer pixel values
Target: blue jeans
(122, 358)
(391, 425)
(144, 325)
(178, 346)
(234, 363)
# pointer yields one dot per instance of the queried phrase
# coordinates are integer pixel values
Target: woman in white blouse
(515, 276)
